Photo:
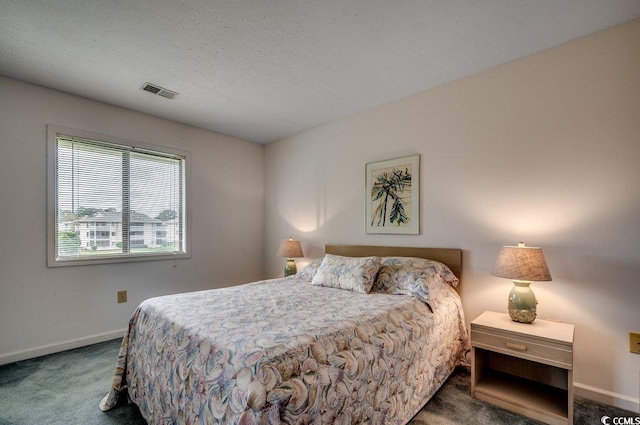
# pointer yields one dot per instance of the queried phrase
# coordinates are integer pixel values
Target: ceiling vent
(152, 88)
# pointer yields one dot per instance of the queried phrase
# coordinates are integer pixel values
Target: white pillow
(351, 273)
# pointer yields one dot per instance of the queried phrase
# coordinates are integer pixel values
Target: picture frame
(392, 196)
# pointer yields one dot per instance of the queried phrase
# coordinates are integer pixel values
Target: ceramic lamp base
(522, 303)
(290, 268)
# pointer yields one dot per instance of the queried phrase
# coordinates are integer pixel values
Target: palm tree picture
(391, 186)
(392, 192)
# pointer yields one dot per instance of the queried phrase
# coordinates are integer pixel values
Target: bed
(317, 347)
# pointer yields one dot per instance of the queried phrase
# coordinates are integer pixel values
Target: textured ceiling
(263, 70)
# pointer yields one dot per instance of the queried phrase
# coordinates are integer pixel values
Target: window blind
(114, 201)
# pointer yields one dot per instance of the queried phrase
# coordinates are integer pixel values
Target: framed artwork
(392, 196)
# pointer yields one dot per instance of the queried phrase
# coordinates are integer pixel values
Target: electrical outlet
(634, 342)
(122, 297)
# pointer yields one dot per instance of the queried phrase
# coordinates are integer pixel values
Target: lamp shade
(290, 248)
(523, 263)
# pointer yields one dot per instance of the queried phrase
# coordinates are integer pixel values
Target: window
(118, 192)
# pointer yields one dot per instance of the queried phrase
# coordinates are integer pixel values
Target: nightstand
(525, 368)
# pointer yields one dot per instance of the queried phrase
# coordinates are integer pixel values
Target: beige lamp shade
(523, 263)
(290, 248)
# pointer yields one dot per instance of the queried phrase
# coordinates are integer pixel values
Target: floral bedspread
(284, 351)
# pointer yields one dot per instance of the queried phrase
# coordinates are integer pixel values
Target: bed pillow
(414, 276)
(432, 290)
(309, 271)
(351, 273)
(438, 290)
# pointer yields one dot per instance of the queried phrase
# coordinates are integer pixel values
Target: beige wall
(43, 310)
(545, 149)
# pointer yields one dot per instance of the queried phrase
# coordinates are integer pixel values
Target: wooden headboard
(451, 257)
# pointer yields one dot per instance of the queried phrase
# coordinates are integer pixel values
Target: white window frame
(53, 132)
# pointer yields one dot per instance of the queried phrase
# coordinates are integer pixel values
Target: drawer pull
(519, 347)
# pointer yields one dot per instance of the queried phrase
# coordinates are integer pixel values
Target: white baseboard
(43, 350)
(606, 397)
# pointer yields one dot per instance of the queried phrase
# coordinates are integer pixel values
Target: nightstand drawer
(537, 350)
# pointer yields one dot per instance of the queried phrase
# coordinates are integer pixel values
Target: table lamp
(290, 249)
(523, 264)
